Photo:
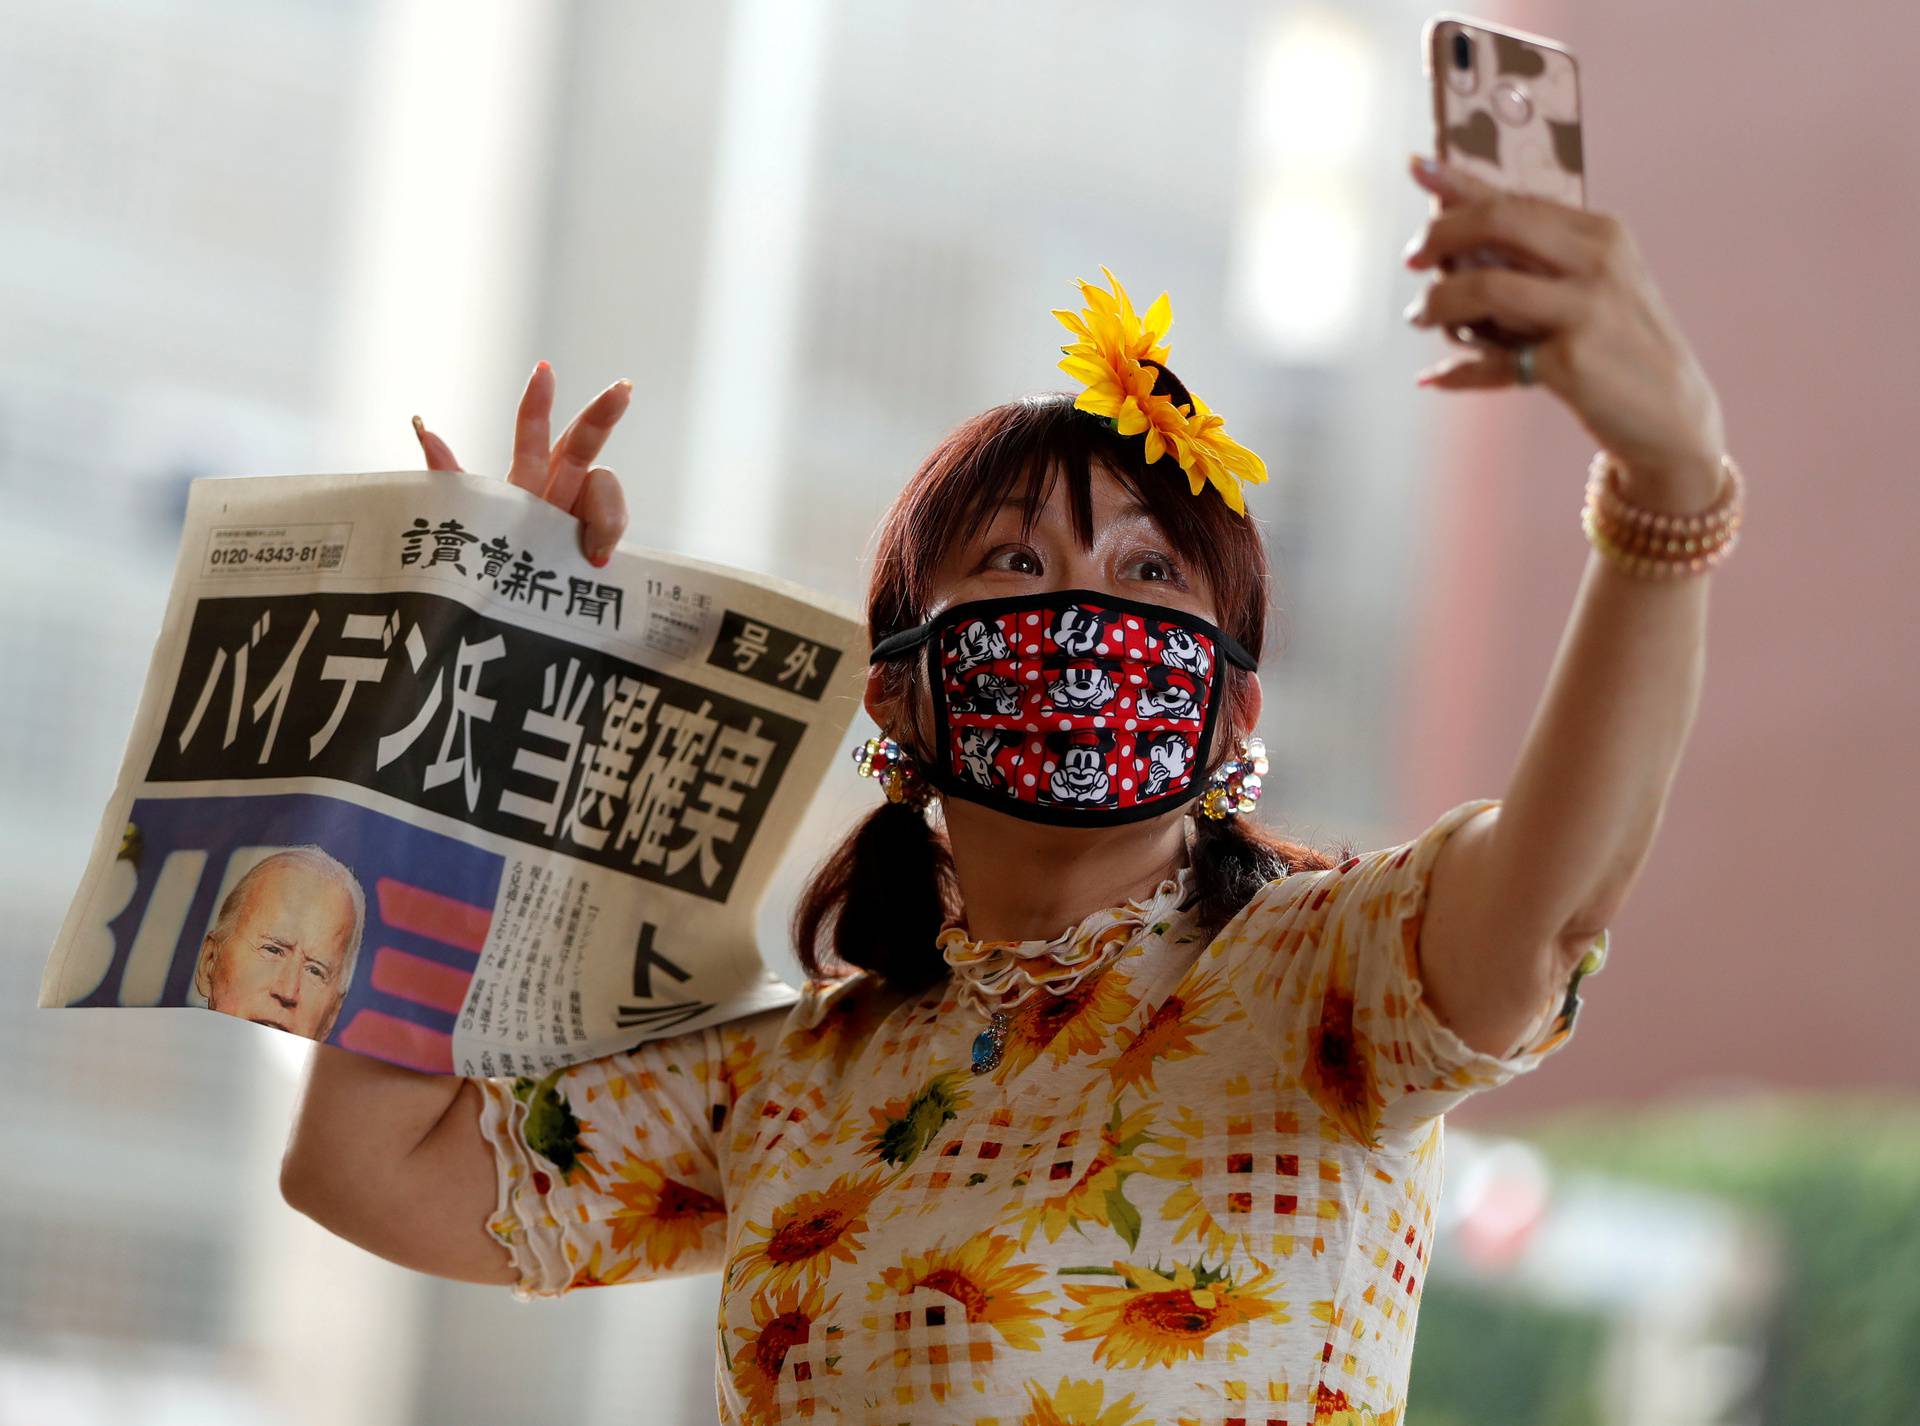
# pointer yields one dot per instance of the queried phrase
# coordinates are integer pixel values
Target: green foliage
(1483, 1357)
(1839, 1180)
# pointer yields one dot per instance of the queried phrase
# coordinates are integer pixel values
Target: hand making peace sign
(563, 473)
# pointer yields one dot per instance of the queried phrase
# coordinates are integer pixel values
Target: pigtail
(1234, 858)
(879, 900)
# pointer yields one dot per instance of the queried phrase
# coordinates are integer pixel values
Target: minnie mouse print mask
(1074, 707)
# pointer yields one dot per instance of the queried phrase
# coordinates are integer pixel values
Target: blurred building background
(247, 238)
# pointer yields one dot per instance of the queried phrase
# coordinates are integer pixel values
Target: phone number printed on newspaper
(276, 549)
(509, 729)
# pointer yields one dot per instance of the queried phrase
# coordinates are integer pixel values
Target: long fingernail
(419, 428)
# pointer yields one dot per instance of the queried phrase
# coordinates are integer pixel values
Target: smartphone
(1506, 109)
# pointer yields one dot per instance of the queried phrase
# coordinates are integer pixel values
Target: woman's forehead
(1049, 500)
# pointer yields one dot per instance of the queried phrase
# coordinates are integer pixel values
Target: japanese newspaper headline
(411, 777)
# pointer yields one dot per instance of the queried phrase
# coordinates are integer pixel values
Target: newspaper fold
(412, 777)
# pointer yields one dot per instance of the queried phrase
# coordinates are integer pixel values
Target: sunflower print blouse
(1197, 1187)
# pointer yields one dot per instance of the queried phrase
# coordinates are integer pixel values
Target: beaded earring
(889, 764)
(1234, 786)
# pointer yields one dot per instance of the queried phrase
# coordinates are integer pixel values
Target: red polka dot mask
(1072, 707)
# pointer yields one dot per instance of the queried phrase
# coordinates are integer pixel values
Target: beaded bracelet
(1651, 543)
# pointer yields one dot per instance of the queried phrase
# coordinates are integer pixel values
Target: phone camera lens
(1462, 51)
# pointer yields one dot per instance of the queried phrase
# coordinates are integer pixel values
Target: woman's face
(1129, 557)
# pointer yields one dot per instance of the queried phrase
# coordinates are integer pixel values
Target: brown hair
(880, 899)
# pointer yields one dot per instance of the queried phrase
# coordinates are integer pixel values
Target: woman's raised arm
(388, 1158)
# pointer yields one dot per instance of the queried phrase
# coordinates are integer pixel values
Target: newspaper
(410, 776)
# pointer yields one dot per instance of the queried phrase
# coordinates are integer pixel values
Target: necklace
(991, 1042)
(998, 977)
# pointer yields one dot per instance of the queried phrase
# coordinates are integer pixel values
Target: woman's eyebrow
(1131, 513)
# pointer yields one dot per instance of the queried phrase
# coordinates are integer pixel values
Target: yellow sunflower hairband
(1119, 359)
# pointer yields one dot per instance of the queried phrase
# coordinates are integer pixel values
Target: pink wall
(1769, 167)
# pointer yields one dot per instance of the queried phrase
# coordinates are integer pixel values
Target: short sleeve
(609, 1171)
(1326, 965)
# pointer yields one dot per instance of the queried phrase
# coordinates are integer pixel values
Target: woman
(1102, 1105)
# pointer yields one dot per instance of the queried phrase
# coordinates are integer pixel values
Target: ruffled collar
(995, 976)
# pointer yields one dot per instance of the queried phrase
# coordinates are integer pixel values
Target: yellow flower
(1168, 1033)
(1074, 1022)
(1186, 1168)
(806, 1235)
(594, 1273)
(781, 1323)
(1118, 358)
(1157, 1319)
(1338, 1068)
(980, 1276)
(1111, 333)
(740, 1066)
(666, 1216)
(1332, 1408)
(1095, 1193)
(848, 1012)
(1079, 1403)
(1218, 459)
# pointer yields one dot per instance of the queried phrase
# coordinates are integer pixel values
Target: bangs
(1017, 454)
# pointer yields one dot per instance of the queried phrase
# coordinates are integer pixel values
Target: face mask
(1073, 707)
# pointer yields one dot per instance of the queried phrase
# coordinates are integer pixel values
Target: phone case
(1510, 118)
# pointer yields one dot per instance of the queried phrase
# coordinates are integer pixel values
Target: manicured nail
(1441, 179)
(598, 559)
(420, 429)
(624, 385)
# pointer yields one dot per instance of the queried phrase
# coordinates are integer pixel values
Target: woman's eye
(1154, 569)
(1015, 559)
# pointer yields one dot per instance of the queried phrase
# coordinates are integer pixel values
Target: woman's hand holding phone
(1608, 345)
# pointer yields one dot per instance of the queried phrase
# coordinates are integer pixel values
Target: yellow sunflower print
(1185, 1206)
(1075, 1022)
(1094, 1193)
(781, 1322)
(982, 1277)
(665, 1216)
(1157, 1319)
(1080, 1403)
(808, 1234)
(1169, 1033)
(1337, 1068)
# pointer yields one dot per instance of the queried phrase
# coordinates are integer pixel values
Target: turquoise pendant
(988, 1044)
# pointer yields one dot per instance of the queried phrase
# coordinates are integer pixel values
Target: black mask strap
(904, 642)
